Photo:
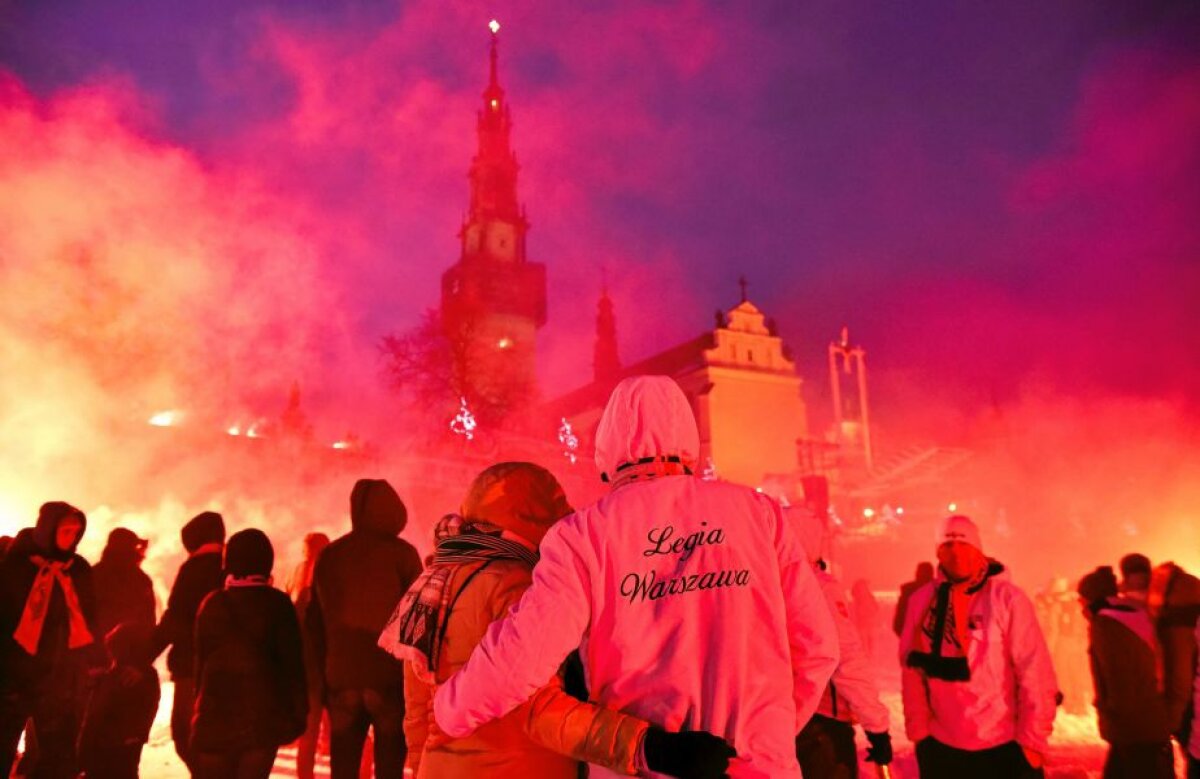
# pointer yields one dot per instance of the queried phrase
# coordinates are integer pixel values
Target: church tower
(493, 298)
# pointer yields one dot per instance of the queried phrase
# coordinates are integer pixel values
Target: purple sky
(989, 196)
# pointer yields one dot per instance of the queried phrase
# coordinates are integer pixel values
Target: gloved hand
(688, 755)
(880, 750)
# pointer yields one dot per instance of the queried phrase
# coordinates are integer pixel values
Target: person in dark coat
(357, 583)
(122, 706)
(124, 593)
(203, 538)
(922, 576)
(47, 639)
(1131, 711)
(251, 696)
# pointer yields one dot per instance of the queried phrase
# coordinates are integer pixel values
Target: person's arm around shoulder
(812, 634)
(914, 690)
(289, 652)
(1036, 684)
(518, 654)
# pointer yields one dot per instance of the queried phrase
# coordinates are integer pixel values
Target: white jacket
(852, 690)
(1012, 689)
(692, 603)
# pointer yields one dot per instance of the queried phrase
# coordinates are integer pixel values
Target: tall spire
(494, 81)
(606, 364)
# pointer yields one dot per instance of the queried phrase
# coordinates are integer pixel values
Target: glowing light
(234, 430)
(868, 512)
(570, 441)
(164, 418)
(341, 444)
(494, 26)
(252, 432)
(899, 511)
(504, 343)
(952, 507)
(495, 104)
(463, 423)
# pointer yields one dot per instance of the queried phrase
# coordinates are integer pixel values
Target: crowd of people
(677, 627)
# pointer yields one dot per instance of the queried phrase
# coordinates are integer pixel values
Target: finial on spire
(494, 26)
(742, 283)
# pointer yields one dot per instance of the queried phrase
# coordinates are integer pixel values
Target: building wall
(753, 420)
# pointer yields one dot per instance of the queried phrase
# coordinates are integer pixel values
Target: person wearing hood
(47, 639)
(204, 540)
(251, 695)
(357, 582)
(484, 560)
(124, 593)
(299, 588)
(1174, 603)
(692, 602)
(1131, 712)
(825, 747)
(977, 681)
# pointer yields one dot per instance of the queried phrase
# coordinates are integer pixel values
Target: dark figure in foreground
(203, 538)
(250, 690)
(124, 593)
(922, 576)
(47, 640)
(122, 706)
(1131, 711)
(357, 583)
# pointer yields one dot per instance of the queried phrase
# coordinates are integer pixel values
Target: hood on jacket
(375, 507)
(207, 527)
(50, 515)
(521, 497)
(647, 417)
(1174, 598)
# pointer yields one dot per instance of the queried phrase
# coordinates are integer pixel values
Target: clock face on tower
(502, 241)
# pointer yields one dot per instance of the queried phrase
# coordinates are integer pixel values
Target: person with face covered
(251, 695)
(48, 640)
(484, 560)
(692, 602)
(124, 593)
(978, 684)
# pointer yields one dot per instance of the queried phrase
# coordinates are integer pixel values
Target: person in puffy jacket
(692, 602)
(978, 684)
(203, 539)
(251, 696)
(48, 639)
(825, 747)
(357, 582)
(483, 564)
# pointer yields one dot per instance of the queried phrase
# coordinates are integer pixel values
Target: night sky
(993, 197)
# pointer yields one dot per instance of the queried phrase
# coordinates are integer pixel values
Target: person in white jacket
(825, 747)
(692, 602)
(978, 683)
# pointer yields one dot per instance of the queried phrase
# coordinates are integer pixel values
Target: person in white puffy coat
(978, 683)
(692, 602)
(825, 747)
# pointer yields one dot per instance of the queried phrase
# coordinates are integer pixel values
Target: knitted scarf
(941, 648)
(418, 625)
(29, 630)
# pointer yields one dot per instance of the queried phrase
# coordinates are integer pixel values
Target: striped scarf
(418, 624)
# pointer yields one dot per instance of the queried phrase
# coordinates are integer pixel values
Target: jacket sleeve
(1036, 684)
(518, 654)
(416, 717)
(812, 635)
(175, 624)
(313, 625)
(853, 678)
(583, 730)
(914, 689)
(289, 652)
(1179, 669)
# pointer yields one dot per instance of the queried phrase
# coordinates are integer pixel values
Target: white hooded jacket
(1011, 693)
(692, 603)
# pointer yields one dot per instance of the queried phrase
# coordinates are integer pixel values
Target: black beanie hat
(1098, 585)
(249, 553)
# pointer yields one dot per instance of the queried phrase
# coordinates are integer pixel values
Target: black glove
(690, 755)
(881, 748)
